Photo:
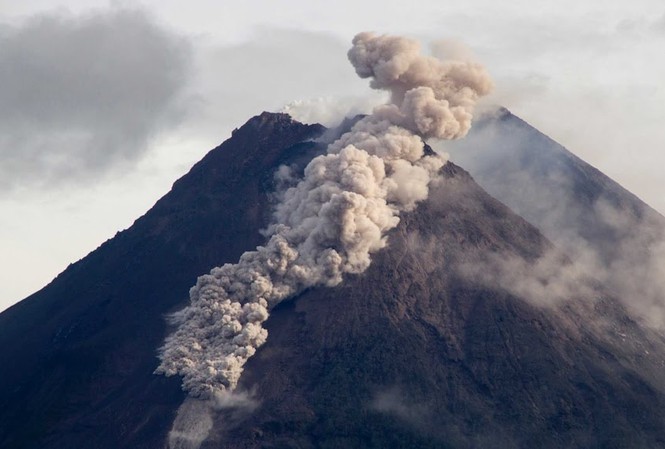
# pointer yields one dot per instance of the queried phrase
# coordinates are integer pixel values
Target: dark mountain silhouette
(412, 353)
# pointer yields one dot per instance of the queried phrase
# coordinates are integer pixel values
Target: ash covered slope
(409, 354)
(77, 357)
(610, 232)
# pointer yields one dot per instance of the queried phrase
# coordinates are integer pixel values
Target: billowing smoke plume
(332, 220)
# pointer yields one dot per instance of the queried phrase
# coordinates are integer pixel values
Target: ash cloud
(333, 219)
(82, 94)
(430, 97)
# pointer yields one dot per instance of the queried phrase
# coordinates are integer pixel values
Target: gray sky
(103, 105)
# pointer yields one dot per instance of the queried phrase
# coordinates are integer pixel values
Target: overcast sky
(103, 105)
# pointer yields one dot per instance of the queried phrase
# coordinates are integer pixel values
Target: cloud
(394, 401)
(82, 94)
(659, 25)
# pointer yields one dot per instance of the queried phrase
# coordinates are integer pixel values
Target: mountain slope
(413, 353)
(615, 235)
(545, 182)
(79, 354)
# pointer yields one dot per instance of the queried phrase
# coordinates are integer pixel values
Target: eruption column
(335, 217)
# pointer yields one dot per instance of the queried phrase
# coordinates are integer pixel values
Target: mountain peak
(264, 122)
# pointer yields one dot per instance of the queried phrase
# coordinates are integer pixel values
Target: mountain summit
(430, 347)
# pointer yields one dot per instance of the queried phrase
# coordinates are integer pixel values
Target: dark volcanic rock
(77, 357)
(408, 355)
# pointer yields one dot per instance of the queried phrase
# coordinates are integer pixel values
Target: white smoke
(192, 424)
(194, 420)
(548, 281)
(331, 111)
(332, 220)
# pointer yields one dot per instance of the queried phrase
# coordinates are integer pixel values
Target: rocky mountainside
(615, 235)
(568, 199)
(78, 355)
(418, 351)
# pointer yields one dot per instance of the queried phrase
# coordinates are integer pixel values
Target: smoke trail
(192, 424)
(194, 421)
(333, 219)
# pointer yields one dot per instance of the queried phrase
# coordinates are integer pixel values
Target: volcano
(416, 352)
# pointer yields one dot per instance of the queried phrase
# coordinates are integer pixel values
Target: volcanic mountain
(420, 351)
